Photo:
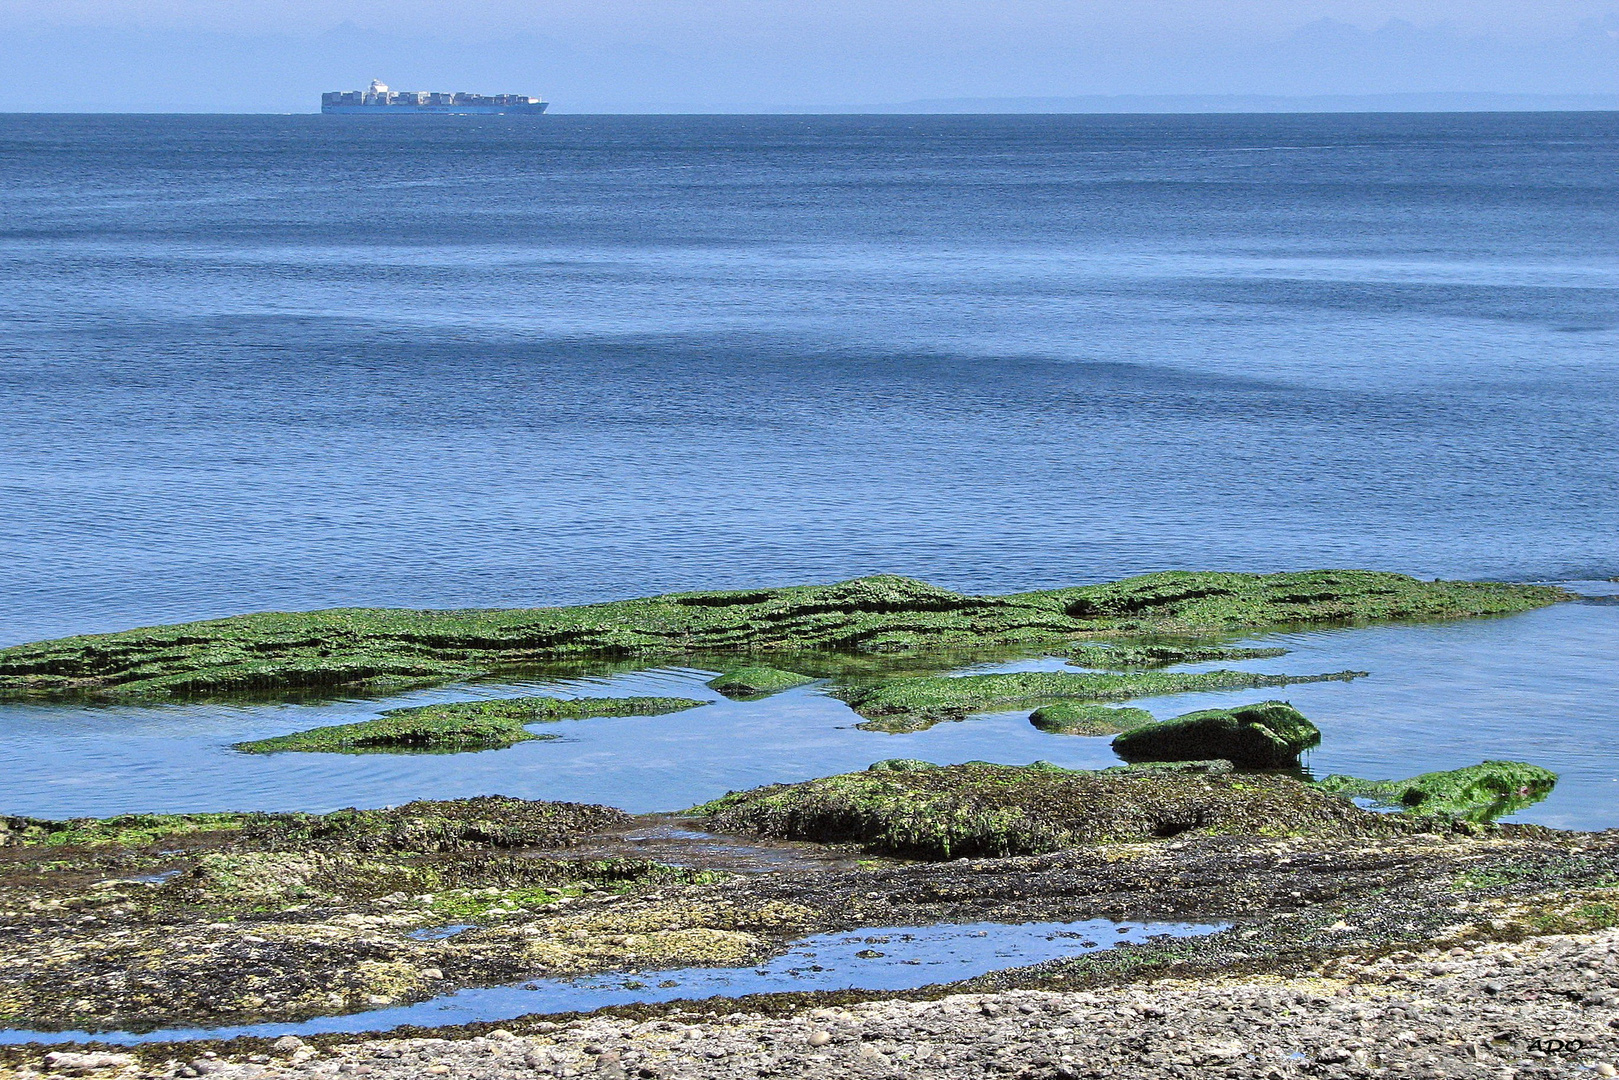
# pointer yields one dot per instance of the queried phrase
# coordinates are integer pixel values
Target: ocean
(291, 362)
(302, 361)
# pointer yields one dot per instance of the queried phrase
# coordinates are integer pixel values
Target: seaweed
(1134, 657)
(461, 726)
(1267, 735)
(1078, 718)
(986, 810)
(378, 648)
(487, 821)
(914, 704)
(756, 681)
(1480, 792)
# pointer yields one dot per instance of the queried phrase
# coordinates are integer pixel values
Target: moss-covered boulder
(460, 726)
(756, 681)
(1269, 735)
(1079, 718)
(984, 810)
(900, 764)
(1477, 793)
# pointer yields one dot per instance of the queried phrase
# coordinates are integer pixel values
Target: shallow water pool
(894, 958)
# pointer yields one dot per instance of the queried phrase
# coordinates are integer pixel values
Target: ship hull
(435, 110)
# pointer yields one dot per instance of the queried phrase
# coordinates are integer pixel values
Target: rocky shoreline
(1548, 1007)
(1335, 941)
(284, 921)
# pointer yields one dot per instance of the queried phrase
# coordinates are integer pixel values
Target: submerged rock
(1078, 718)
(917, 703)
(979, 809)
(460, 726)
(1130, 657)
(1477, 793)
(1268, 735)
(757, 681)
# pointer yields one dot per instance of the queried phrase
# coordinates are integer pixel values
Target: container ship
(378, 100)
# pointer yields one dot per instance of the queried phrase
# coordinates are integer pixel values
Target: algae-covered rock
(917, 703)
(1147, 768)
(977, 810)
(1268, 735)
(373, 647)
(487, 821)
(1078, 718)
(1179, 601)
(1477, 793)
(460, 726)
(1129, 657)
(757, 681)
(900, 764)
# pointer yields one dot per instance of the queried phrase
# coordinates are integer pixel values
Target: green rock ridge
(915, 704)
(982, 810)
(1268, 735)
(1078, 718)
(461, 726)
(756, 681)
(1476, 793)
(378, 648)
(1132, 657)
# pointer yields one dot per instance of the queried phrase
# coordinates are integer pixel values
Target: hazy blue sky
(275, 55)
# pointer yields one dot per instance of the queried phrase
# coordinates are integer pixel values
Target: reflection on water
(1537, 687)
(895, 958)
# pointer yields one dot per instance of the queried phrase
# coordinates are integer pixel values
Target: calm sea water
(296, 362)
(293, 362)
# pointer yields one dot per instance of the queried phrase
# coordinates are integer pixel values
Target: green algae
(487, 821)
(1185, 601)
(757, 681)
(900, 764)
(371, 648)
(915, 704)
(125, 830)
(265, 922)
(1079, 718)
(1267, 735)
(983, 810)
(1476, 793)
(461, 726)
(1134, 657)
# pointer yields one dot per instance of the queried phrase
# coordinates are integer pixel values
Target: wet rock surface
(898, 706)
(1078, 718)
(756, 681)
(980, 809)
(1478, 792)
(95, 939)
(381, 648)
(461, 725)
(1265, 735)
(1544, 1008)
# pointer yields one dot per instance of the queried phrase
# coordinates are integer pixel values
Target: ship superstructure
(378, 100)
